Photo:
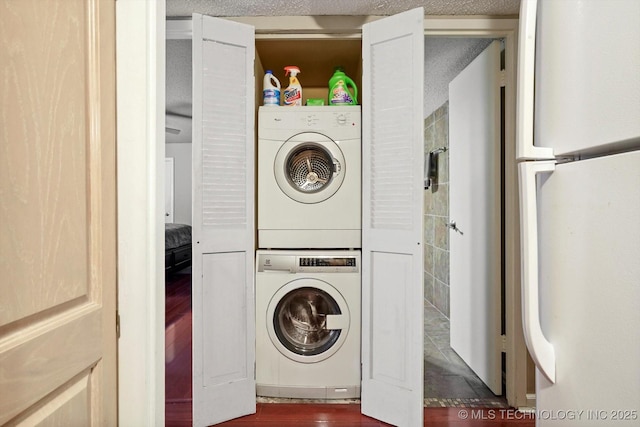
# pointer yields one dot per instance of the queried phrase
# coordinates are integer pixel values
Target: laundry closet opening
(448, 379)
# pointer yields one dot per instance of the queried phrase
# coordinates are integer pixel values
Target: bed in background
(177, 244)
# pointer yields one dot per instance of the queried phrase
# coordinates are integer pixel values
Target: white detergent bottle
(270, 90)
(293, 92)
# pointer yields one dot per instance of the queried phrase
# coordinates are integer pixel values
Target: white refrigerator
(578, 147)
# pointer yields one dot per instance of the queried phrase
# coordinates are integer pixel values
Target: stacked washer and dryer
(308, 273)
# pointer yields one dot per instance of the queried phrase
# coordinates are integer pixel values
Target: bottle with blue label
(270, 90)
(342, 90)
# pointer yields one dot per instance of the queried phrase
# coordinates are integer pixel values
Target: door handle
(336, 321)
(541, 350)
(452, 225)
(337, 167)
(525, 148)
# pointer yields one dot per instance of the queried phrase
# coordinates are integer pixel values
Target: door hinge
(117, 325)
(503, 343)
(503, 78)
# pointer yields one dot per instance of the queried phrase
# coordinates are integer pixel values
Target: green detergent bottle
(342, 90)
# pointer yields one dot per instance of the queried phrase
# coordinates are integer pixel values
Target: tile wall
(436, 214)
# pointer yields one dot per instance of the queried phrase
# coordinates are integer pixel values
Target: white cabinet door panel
(223, 221)
(392, 205)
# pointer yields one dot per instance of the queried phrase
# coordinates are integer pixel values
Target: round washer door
(307, 320)
(309, 167)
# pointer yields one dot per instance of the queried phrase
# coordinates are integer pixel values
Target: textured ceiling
(339, 7)
(444, 58)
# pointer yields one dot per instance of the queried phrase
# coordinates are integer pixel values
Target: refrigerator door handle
(525, 148)
(541, 350)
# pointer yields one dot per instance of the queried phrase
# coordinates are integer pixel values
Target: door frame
(141, 151)
(140, 172)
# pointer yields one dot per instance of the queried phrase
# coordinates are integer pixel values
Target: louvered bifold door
(392, 163)
(223, 220)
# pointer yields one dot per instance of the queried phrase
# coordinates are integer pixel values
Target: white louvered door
(392, 206)
(223, 220)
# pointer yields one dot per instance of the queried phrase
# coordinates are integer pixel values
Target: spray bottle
(293, 92)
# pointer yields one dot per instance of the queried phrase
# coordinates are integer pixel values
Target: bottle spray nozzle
(293, 70)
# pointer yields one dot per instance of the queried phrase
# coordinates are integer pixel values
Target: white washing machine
(308, 324)
(309, 177)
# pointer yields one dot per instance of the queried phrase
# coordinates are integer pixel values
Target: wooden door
(224, 385)
(392, 207)
(57, 213)
(474, 165)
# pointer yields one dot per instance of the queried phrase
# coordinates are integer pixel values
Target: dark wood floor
(178, 340)
(178, 387)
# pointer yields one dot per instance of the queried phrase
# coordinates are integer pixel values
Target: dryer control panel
(308, 263)
(338, 122)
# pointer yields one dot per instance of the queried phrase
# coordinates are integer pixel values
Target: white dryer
(308, 324)
(309, 177)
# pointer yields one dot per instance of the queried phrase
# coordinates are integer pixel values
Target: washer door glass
(307, 320)
(309, 167)
(300, 321)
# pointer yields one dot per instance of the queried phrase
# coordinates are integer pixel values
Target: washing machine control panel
(318, 264)
(309, 264)
(327, 262)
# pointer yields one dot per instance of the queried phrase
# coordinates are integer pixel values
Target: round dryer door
(307, 320)
(309, 167)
